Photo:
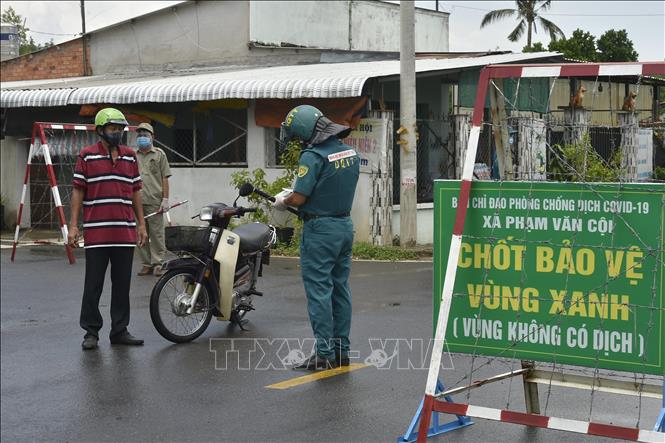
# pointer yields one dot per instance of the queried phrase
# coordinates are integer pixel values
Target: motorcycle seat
(253, 236)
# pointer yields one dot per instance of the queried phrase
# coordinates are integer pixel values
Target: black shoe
(89, 342)
(126, 339)
(341, 360)
(317, 363)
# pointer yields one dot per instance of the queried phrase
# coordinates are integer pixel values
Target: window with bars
(274, 149)
(217, 138)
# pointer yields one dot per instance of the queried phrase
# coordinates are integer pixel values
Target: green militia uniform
(327, 176)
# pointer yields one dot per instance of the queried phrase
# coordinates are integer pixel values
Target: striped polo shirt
(108, 214)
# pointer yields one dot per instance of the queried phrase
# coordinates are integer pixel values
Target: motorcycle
(215, 272)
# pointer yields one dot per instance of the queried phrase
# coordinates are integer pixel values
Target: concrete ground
(52, 391)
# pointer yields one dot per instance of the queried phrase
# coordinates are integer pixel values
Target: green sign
(557, 272)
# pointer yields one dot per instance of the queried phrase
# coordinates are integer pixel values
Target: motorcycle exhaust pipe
(242, 272)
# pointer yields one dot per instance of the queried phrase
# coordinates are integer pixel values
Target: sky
(643, 20)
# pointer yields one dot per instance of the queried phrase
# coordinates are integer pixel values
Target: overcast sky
(644, 21)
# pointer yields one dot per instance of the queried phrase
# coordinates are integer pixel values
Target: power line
(568, 15)
(606, 15)
(52, 33)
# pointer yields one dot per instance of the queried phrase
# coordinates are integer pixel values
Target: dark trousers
(96, 262)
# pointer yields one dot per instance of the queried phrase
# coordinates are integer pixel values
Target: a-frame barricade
(38, 135)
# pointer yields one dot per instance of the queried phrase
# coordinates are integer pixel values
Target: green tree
(527, 13)
(580, 46)
(26, 43)
(615, 46)
(536, 47)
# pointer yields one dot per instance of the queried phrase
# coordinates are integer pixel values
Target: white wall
(375, 27)
(188, 34)
(256, 150)
(322, 24)
(356, 25)
(200, 186)
(424, 221)
(13, 155)
(360, 211)
(210, 33)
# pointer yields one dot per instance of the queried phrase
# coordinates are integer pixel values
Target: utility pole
(85, 48)
(407, 130)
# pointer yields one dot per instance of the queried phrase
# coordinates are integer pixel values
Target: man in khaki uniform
(155, 173)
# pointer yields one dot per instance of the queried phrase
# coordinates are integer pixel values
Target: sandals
(147, 270)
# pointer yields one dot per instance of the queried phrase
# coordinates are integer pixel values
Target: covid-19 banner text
(557, 272)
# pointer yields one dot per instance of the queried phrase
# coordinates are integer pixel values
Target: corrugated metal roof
(329, 80)
(34, 97)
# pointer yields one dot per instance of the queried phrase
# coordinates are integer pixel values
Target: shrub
(580, 162)
(659, 173)
(257, 178)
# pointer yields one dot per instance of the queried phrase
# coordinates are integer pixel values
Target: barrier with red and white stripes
(430, 403)
(39, 136)
(543, 421)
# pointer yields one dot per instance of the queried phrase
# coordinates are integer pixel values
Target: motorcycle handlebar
(239, 212)
(272, 199)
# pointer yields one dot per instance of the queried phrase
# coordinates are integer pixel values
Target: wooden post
(500, 132)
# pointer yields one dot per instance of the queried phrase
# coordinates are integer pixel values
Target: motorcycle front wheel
(168, 306)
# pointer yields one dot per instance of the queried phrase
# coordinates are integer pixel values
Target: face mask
(143, 142)
(113, 139)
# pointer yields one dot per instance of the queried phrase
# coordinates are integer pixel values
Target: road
(52, 391)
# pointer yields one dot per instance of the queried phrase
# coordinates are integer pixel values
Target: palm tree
(527, 12)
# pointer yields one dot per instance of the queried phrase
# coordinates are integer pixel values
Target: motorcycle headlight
(206, 213)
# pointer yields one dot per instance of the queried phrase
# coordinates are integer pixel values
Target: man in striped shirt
(107, 185)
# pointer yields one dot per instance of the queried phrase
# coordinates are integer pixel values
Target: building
(221, 74)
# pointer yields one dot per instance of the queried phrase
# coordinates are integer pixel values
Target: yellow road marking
(286, 384)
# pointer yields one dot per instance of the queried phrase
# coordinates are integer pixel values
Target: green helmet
(300, 123)
(109, 116)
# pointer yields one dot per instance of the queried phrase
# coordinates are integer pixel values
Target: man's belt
(306, 217)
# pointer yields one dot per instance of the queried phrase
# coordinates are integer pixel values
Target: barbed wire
(637, 309)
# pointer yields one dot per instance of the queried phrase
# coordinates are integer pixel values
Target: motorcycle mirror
(245, 189)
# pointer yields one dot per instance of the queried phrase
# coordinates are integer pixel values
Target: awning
(324, 80)
(34, 97)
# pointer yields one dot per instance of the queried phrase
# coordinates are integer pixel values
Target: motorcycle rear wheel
(168, 316)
